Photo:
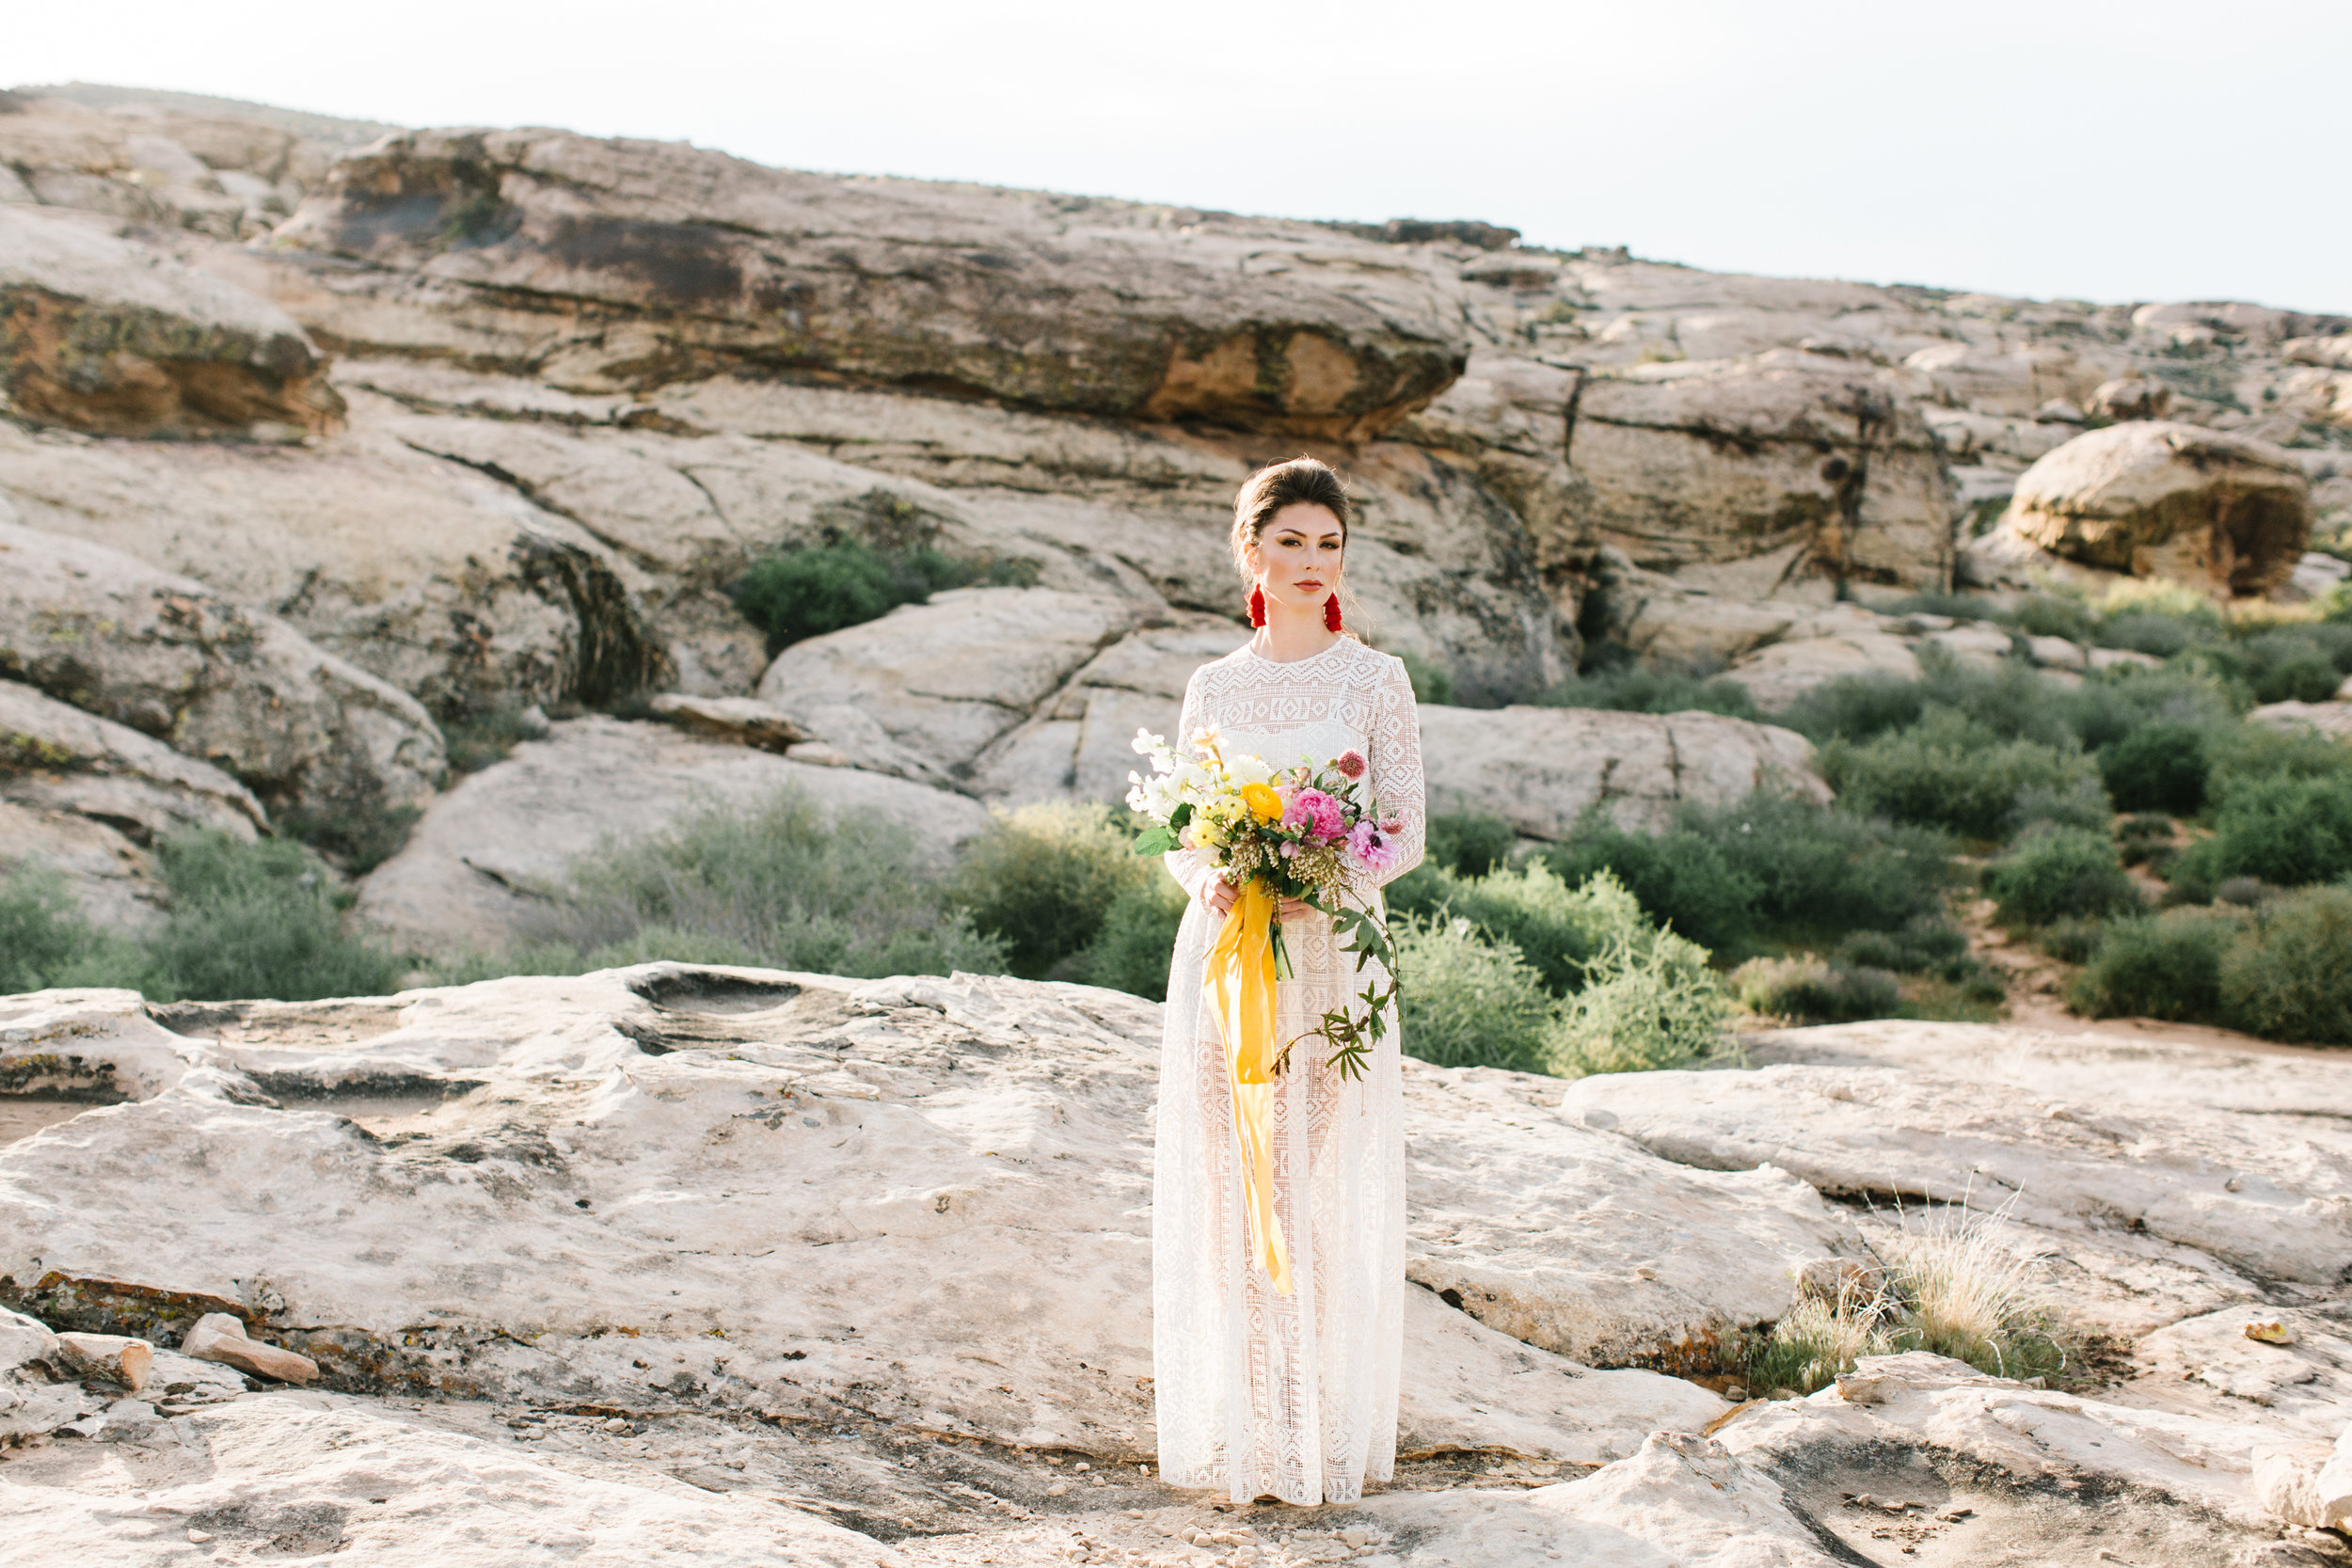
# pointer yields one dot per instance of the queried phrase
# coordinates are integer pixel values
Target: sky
(2076, 149)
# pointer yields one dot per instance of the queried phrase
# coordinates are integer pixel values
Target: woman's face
(1298, 557)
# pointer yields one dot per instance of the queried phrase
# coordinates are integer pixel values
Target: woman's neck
(1290, 635)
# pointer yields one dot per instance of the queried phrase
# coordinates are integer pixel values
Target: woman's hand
(1218, 894)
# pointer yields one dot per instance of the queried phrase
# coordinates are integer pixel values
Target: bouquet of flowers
(1304, 832)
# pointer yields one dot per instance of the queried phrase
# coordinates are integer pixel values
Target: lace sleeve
(1186, 866)
(1396, 773)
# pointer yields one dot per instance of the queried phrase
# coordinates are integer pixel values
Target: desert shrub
(356, 839)
(2288, 975)
(2010, 700)
(1469, 844)
(1648, 1003)
(2159, 767)
(815, 589)
(1804, 990)
(2072, 939)
(42, 933)
(2052, 615)
(2164, 966)
(1649, 689)
(2082, 802)
(1555, 926)
(256, 920)
(2056, 873)
(2150, 632)
(1132, 950)
(1432, 682)
(1042, 877)
(2248, 753)
(1469, 1000)
(2145, 839)
(2286, 829)
(474, 739)
(783, 881)
(1680, 878)
(1948, 1282)
(1950, 771)
(1927, 946)
(1819, 870)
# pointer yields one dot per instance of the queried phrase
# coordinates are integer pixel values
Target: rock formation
(2161, 499)
(675, 1260)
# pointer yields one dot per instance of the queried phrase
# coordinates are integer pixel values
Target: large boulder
(104, 336)
(924, 691)
(1750, 476)
(1542, 769)
(1079, 743)
(86, 798)
(167, 656)
(486, 856)
(631, 263)
(2159, 499)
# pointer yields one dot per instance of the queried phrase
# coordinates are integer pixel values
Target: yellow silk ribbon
(1241, 982)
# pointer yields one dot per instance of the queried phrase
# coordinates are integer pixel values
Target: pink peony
(1316, 812)
(1351, 764)
(1373, 849)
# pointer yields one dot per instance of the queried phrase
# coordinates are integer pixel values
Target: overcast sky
(2089, 149)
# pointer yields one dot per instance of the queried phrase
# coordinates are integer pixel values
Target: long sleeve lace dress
(1260, 1393)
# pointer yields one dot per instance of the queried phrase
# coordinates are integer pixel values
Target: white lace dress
(1259, 1393)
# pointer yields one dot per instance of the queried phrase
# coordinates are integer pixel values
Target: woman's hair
(1302, 481)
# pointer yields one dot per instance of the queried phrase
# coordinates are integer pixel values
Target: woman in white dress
(1262, 1393)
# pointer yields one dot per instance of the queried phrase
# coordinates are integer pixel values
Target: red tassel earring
(1257, 607)
(1332, 612)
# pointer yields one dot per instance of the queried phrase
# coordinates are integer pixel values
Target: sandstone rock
(167, 657)
(1521, 1227)
(2315, 578)
(1778, 674)
(32, 1405)
(2131, 398)
(1542, 769)
(101, 335)
(61, 759)
(1672, 619)
(389, 1486)
(2206, 1181)
(634, 1149)
(116, 1358)
(927, 688)
(745, 721)
(489, 851)
(220, 1337)
(2333, 720)
(1091, 306)
(2122, 659)
(1078, 742)
(1707, 464)
(2333, 1485)
(2168, 499)
(2004, 380)
(2210, 1365)
(2057, 653)
(1973, 643)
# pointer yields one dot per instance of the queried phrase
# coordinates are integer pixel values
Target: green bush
(354, 839)
(2153, 632)
(783, 883)
(2166, 966)
(815, 589)
(1950, 771)
(1132, 950)
(2082, 803)
(1042, 877)
(1680, 878)
(2285, 830)
(2288, 975)
(1555, 926)
(1465, 843)
(2052, 615)
(1648, 1003)
(1432, 683)
(43, 934)
(2072, 941)
(474, 740)
(2159, 767)
(1646, 688)
(1819, 871)
(2057, 873)
(1469, 1000)
(256, 920)
(1804, 990)
(2010, 700)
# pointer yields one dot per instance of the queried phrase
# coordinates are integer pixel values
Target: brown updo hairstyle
(1302, 481)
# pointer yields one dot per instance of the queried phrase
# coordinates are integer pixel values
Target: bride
(1261, 1392)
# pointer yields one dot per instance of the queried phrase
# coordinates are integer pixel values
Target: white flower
(1249, 771)
(1146, 742)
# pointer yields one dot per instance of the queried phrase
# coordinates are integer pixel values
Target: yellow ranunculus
(1264, 803)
